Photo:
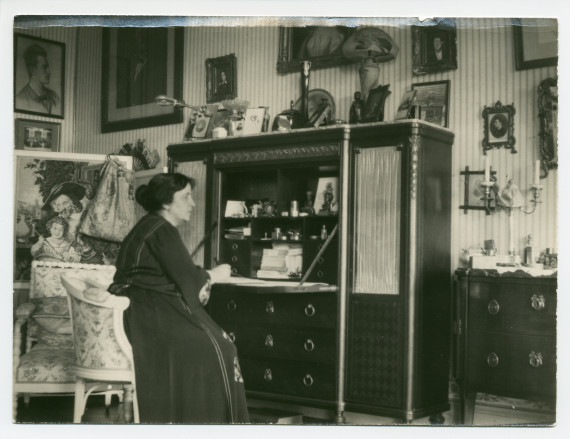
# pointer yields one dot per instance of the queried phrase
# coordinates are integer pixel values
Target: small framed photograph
(434, 47)
(39, 76)
(374, 107)
(253, 121)
(536, 43)
(327, 197)
(406, 104)
(433, 100)
(499, 127)
(37, 135)
(221, 78)
(201, 127)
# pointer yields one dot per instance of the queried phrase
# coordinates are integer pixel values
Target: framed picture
(49, 185)
(499, 127)
(536, 43)
(327, 197)
(434, 47)
(253, 120)
(201, 127)
(432, 99)
(374, 107)
(138, 65)
(406, 105)
(221, 78)
(37, 135)
(39, 76)
(298, 44)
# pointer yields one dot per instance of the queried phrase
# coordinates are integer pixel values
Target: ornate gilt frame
(499, 127)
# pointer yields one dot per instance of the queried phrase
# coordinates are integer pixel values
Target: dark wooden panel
(374, 365)
(311, 380)
(236, 253)
(503, 307)
(513, 374)
(325, 269)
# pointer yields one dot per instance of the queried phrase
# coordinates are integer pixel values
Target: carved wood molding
(272, 153)
(415, 143)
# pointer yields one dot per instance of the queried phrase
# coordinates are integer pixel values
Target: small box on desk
(490, 262)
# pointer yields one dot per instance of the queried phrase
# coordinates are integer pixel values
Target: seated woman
(55, 247)
(186, 367)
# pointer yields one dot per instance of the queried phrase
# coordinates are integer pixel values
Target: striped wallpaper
(486, 73)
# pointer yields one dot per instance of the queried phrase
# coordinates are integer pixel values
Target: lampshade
(370, 42)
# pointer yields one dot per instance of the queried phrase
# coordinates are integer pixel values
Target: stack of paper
(281, 260)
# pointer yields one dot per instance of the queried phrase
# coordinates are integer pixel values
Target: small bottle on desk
(324, 234)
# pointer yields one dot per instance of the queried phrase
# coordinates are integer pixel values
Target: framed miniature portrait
(434, 47)
(138, 65)
(39, 76)
(37, 135)
(221, 78)
(408, 100)
(432, 98)
(498, 127)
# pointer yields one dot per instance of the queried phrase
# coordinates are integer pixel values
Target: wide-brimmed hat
(72, 190)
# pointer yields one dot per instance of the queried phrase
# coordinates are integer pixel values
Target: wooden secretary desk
(369, 332)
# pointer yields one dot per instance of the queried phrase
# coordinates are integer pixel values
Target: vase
(308, 207)
(369, 73)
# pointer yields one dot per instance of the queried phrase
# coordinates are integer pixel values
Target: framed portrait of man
(221, 78)
(434, 47)
(39, 76)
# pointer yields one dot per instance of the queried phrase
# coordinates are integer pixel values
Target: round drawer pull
(234, 270)
(269, 340)
(493, 360)
(535, 359)
(493, 307)
(309, 345)
(270, 308)
(310, 310)
(320, 273)
(321, 260)
(232, 305)
(235, 246)
(538, 302)
(267, 375)
(232, 337)
(308, 380)
(234, 258)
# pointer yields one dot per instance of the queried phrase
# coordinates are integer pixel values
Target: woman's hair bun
(141, 195)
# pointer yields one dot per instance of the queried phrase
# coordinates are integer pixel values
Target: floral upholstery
(47, 366)
(94, 337)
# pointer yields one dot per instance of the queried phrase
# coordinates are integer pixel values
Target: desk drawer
(516, 365)
(524, 308)
(310, 380)
(294, 310)
(274, 342)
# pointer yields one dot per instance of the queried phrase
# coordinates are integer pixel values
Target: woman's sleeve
(171, 253)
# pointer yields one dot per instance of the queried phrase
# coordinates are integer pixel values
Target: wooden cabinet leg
(128, 404)
(468, 408)
(437, 419)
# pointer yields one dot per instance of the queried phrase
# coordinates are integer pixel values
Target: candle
(165, 170)
(537, 173)
(487, 169)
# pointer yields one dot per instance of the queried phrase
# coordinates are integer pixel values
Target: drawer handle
(309, 345)
(535, 359)
(234, 246)
(232, 305)
(320, 274)
(268, 376)
(234, 258)
(269, 340)
(308, 380)
(493, 307)
(310, 310)
(234, 270)
(493, 360)
(270, 308)
(232, 337)
(321, 260)
(538, 302)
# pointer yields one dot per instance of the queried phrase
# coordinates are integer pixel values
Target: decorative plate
(316, 97)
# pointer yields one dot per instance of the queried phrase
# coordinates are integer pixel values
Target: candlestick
(537, 172)
(487, 169)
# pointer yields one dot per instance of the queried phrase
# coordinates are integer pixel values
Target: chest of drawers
(286, 341)
(508, 338)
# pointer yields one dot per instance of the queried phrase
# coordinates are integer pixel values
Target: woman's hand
(220, 274)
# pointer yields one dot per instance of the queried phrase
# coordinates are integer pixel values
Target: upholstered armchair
(43, 350)
(103, 354)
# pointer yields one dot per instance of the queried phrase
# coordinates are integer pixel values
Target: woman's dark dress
(186, 368)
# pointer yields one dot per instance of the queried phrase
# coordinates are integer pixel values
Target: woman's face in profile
(182, 204)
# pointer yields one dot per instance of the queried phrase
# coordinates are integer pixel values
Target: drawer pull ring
(232, 305)
(321, 260)
(234, 270)
(269, 340)
(232, 337)
(234, 246)
(309, 345)
(310, 310)
(320, 274)
(493, 360)
(535, 359)
(268, 376)
(538, 302)
(234, 258)
(270, 308)
(493, 307)
(308, 380)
